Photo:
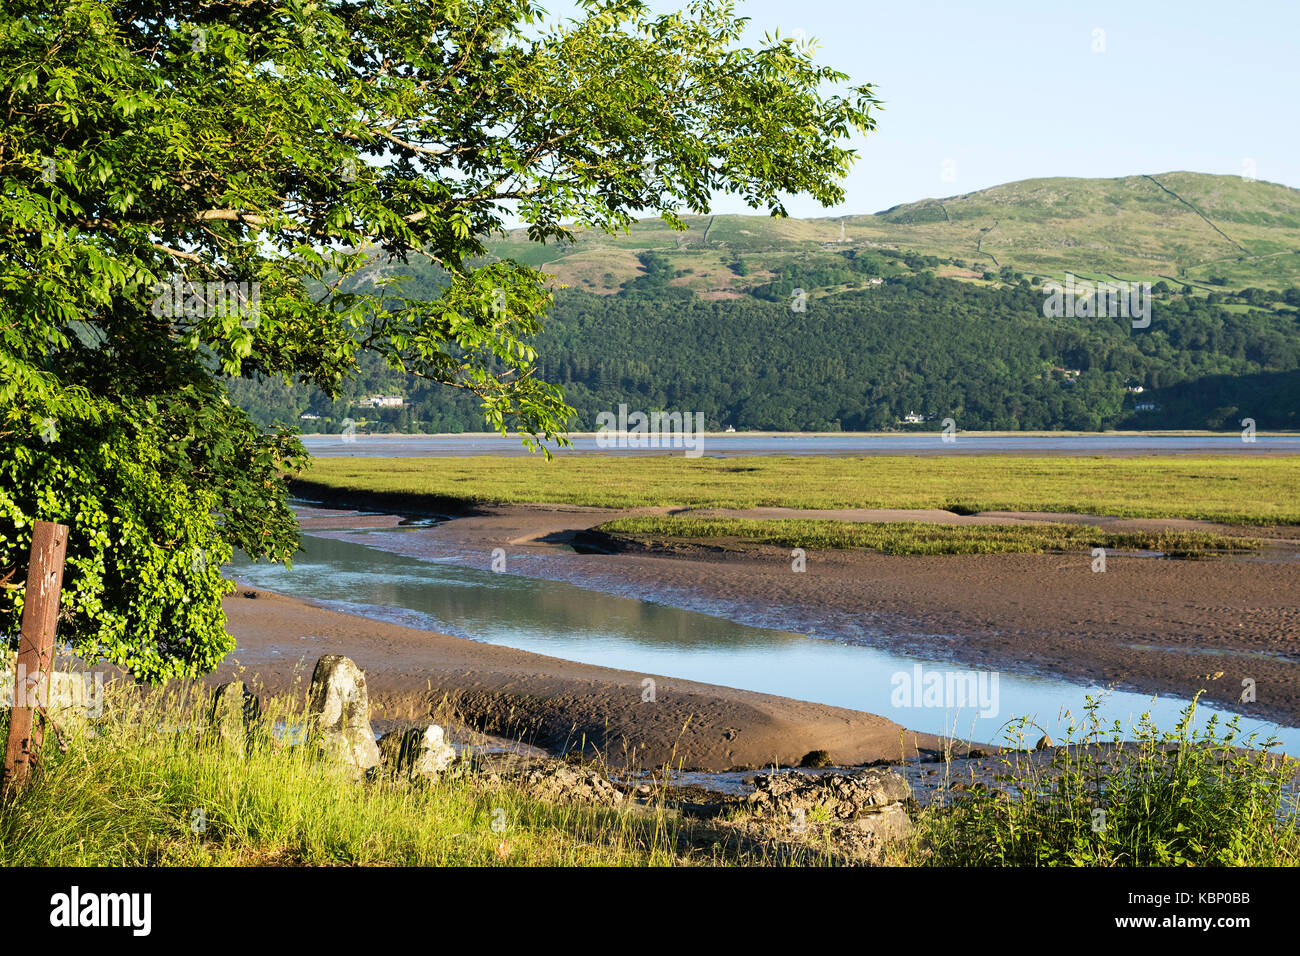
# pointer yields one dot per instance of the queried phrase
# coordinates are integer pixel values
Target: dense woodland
(862, 356)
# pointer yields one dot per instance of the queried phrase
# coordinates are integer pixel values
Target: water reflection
(562, 620)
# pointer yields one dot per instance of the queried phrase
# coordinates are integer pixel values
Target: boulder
(849, 818)
(559, 781)
(232, 715)
(839, 796)
(338, 710)
(416, 753)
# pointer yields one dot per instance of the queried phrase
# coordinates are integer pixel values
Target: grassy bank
(1232, 489)
(146, 784)
(917, 537)
(147, 787)
(1183, 796)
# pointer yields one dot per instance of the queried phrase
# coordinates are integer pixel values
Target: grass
(148, 785)
(1246, 490)
(1183, 797)
(133, 787)
(919, 537)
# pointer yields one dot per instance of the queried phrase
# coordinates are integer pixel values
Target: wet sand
(1146, 624)
(1150, 625)
(415, 675)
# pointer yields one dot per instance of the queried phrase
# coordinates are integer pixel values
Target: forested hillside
(862, 360)
(917, 310)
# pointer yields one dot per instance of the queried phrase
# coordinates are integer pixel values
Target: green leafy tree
(201, 191)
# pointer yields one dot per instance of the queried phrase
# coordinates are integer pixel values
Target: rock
(234, 711)
(865, 835)
(839, 796)
(844, 817)
(1043, 742)
(555, 780)
(816, 758)
(416, 753)
(338, 709)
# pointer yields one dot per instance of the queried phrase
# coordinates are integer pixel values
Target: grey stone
(841, 796)
(851, 816)
(416, 753)
(560, 781)
(232, 715)
(338, 709)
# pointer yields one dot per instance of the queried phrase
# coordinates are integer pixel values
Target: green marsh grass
(1234, 489)
(920, 537)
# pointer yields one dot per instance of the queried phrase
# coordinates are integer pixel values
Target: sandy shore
(1146, 624)
(414, 675)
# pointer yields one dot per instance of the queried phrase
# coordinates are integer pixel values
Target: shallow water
(418, 446)
(556, 618)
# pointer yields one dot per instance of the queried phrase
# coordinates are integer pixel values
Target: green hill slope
(1189, 227)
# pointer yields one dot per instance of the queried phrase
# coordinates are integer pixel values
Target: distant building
(875, 280)
(308, 417)
(383, 401)
(731, 428)
(1136, 389)
(912, 418)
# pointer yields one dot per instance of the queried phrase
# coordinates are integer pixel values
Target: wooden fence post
(35, 650)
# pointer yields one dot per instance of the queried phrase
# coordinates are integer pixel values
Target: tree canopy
(199, 191)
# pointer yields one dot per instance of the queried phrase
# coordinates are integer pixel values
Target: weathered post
(35, 650)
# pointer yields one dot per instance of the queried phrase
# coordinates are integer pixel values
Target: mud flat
(1147, 624)
(556, 704)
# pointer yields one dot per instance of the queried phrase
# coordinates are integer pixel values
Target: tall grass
(1188, 796)
(147, 785)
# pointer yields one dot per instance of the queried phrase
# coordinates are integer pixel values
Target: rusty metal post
(35, 650)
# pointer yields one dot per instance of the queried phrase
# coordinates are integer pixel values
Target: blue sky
(992, 92)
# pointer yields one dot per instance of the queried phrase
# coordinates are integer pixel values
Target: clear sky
(978, 94)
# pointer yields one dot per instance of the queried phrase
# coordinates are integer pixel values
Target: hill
(1210, 231)
(928, 310)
